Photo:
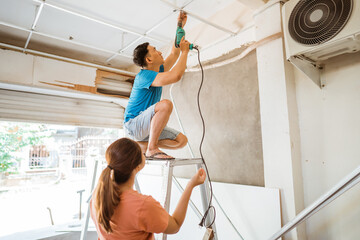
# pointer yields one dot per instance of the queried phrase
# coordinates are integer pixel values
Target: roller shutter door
(42, 108)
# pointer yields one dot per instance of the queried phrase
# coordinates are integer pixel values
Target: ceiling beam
(121, 28)
(139, 38)
(199, 18)
(147, 32)
(65, 59)
(252, 4)
(63, 39)
(34, 23)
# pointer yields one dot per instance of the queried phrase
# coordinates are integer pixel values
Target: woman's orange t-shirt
(136, 217)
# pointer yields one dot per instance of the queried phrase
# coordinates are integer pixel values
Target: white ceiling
(93, 30)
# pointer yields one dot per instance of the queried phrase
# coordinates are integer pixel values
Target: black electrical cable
(202, 222)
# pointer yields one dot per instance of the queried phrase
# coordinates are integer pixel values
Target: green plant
(14, 136)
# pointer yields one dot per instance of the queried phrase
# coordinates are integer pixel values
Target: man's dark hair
(140, 53)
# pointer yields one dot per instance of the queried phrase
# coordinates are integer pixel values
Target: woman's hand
(198, 178)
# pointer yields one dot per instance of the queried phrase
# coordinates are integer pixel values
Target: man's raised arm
(175, 52)
(178, 70)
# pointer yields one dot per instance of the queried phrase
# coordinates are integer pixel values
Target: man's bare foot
(157, 154)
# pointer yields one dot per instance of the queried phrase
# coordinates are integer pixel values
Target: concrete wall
(230, 105)
(330, 137)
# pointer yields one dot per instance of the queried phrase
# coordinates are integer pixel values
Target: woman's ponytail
(122, 156)
(107, 197)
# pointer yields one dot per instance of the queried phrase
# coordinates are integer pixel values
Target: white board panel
(16, 67)
(254, 211)
(49, 70)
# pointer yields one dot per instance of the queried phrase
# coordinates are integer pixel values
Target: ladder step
(175, 162)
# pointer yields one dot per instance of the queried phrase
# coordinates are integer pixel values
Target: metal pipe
(229, 220)
(130, 44)
(223, 39)
(226, 38)
(28, 40)
(345, 184)
(63, 39)
(192, 205)
(146, 33)
(161, 22)
(243, 54)
(186, 4)
(51, 218)
(68, 59)
(266, 6)
(37, 15)
(101, 22)
(203, 190)
(192, 155)
(179, 121)
(206, 183)
(80, 192)
(199, 18)
(136, 40)
(34, 24)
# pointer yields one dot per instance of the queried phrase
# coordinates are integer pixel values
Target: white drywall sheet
(254, 211)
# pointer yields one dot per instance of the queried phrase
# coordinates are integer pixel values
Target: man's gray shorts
(138, 128)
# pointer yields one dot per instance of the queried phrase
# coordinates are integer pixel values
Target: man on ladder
(146, 116)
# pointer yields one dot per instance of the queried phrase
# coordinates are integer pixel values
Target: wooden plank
(117, 76)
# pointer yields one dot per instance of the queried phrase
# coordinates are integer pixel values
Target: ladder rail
(168, 178)
(85, 225)
(167, 183)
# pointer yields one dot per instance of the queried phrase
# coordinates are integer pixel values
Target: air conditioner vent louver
(313, 22)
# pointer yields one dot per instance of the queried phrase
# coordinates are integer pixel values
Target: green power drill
(180, 32)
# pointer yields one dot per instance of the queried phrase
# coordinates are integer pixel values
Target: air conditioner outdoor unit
(316, 30)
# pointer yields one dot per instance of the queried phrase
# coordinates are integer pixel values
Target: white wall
(25, 69)
(279, 118)
(329, 121)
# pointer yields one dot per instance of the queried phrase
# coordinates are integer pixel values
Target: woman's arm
(177, 219)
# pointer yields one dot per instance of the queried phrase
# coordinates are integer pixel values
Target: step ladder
(168, 178)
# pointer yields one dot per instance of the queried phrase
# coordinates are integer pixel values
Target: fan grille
(313, 22)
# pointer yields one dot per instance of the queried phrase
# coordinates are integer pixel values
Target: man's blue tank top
(143, 95)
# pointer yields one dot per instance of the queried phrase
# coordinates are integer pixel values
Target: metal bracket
(311, 69)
